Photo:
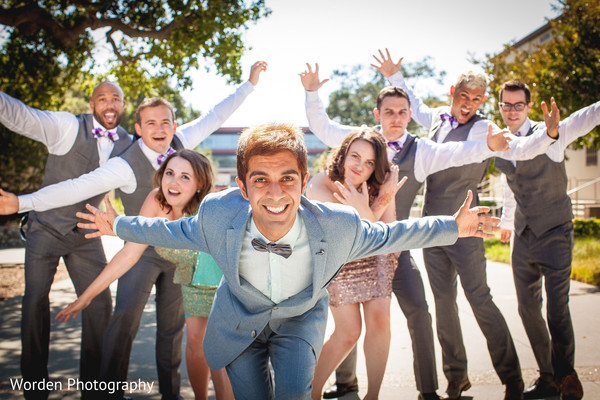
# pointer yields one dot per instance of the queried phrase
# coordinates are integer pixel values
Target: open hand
(72, 310)
(310, 79)
(255, 71)
(552, 118)
(498, 141)
(102, 221)
(9, 203)
(349, 195)
(390, 186)
(386, 66)
(470, 223)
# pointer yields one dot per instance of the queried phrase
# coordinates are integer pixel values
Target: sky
(343, 33)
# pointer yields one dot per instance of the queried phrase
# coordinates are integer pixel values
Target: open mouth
(173, 192)
(276, 210)
(110, 117)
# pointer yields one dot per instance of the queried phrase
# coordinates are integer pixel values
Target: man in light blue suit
(278, 251)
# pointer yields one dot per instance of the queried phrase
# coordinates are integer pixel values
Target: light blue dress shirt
(278, 278)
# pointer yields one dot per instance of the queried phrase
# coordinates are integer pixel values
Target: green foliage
(495, 250)
(586, 227)
(586, 257)
(566, 67)
(354, 101)
(50, 59)
(586, 260)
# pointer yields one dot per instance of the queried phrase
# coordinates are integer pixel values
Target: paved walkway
(398, 382)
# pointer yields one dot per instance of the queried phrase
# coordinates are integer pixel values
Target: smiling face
(179, 183)
(465, 102)
(359, 163)
(394, 115)
(107, 104)
(156, 127)
(514, 119)
(274, 186)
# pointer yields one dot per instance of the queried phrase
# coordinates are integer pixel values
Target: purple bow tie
(99, 132)
(518, 133)
(395, 145)
(453, 120)
(163, 157)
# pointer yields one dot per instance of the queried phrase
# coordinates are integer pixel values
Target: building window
(591, 156)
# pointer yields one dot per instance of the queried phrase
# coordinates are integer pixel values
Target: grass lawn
(586, 257)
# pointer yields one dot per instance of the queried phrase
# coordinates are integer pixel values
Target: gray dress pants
(466, 258)
(84, 259)
(407, 285)
(132, 294)
(548, 256)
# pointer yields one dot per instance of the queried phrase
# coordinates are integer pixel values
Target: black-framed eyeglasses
(520, 106)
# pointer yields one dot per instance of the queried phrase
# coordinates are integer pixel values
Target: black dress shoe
(335, 391)
(570, 388)
(428, 396)
(514, 389)
(543, 387)
(455, 389)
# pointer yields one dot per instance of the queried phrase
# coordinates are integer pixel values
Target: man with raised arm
(416, 159)
(132, 174)
(76, 145)
(543, 240)
(278, 251)
(466, 258)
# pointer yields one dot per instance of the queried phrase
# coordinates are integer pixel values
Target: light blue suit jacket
(240, 312)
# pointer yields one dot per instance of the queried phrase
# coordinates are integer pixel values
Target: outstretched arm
(329, 132)
(194, 132)
(119, 265)
(115, 173)
(576, 125)
(56, 129)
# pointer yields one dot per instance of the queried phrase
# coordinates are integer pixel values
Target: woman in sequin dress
(370, 186)
(182, 181)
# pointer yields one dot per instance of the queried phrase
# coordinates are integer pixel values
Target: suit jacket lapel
(235, 237)
(318, 247)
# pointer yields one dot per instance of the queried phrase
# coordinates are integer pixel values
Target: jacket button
(275, 308)
(253, 334)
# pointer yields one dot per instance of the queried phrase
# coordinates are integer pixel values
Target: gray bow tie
(283, 250)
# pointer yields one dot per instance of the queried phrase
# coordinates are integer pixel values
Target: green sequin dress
(197, 299)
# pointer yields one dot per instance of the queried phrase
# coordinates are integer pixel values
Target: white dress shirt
(576, 125)
(55, 129)
(430, 157)
(277, 277)
(116, 172)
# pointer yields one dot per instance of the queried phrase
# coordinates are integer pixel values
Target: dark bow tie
(99, 132)
(395, 145)
(283, 250)
(453, 120)
(162, 157)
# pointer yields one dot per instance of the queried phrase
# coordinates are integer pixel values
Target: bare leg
(377, 342)
(346, 333)
(197, 368)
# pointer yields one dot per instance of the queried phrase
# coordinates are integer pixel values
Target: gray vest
(81, 159)
(446, 190)
(144, 172)
(405, 160)
(540, 188)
